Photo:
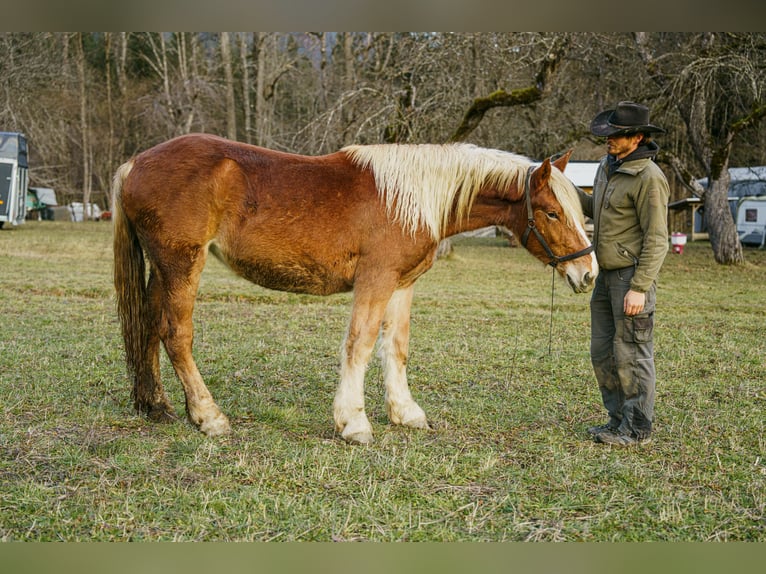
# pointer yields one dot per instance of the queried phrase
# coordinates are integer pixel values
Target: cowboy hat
(627, 118)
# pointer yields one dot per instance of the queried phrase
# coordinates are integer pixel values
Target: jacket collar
(645, 152)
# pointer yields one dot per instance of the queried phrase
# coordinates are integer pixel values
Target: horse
(366, 218)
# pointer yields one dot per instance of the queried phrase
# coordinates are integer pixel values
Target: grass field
(508, 457)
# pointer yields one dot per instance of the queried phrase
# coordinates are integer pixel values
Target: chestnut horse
(366, 218)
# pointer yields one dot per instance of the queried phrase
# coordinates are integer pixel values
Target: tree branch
(720, 155)
(757, 114)
(519, 97)
(650, 63)
(500, 98)
(687, 178)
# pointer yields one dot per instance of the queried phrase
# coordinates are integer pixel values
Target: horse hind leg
(393, 352)
(180, 281)
(149, 395)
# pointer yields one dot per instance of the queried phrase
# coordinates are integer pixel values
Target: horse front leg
(394, 349)
(348, 406)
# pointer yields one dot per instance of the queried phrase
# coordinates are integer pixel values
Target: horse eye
(552, 215)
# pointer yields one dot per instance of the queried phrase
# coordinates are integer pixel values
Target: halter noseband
(555, 259)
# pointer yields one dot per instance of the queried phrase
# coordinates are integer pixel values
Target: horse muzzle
(581, 282)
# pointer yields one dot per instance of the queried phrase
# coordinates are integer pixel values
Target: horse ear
(543, 173)
(560, 161)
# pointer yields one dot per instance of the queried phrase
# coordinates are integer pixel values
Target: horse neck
(489, 208)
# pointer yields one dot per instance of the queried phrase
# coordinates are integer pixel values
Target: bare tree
(246, 88)
(87, 179)
(160, 64)
(37, 99)
(115, 72)
(273, 61)
(261, 118)
(314, 92)
(716, 84)
(176, 69)
(231, 111)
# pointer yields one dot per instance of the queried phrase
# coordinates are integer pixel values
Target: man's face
(621, 146)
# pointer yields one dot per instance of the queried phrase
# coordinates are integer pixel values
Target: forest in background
(88, 101)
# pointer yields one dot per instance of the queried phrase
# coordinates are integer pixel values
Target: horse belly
(283, 270)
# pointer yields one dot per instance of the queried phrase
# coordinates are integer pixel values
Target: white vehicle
(14, 178)
(751, 220)
(94, 211)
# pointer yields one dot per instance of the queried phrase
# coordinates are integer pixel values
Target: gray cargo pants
(622, 353)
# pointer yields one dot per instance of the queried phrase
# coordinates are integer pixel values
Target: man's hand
(634, 302)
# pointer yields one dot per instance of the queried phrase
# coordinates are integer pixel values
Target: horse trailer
(751, 220)
(13, 178)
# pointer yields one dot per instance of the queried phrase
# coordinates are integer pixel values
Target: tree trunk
(349, 76)
(231, 110)
(259, 45)
(188, 75)
(162, 62)
(109, 105)
(246, 100)
(84, 133)
(122, 73)
(727, 248)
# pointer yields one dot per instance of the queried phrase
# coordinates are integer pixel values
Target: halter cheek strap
(532, 228)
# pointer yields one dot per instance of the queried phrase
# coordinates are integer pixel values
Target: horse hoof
(417, 423)
(162, 414)
(359, 437)
(217, 426)
(356, 432)
(411, 416)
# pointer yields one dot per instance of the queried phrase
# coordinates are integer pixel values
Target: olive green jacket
(630, 218)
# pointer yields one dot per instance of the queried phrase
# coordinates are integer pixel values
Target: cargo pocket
(639, 328)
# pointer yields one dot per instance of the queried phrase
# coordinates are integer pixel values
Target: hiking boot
(617, 438)
(598, 429)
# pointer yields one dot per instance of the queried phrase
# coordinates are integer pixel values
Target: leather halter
(531, 227)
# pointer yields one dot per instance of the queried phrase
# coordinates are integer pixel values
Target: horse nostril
(588, 277)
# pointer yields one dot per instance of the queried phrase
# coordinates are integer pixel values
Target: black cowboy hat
(627, 118)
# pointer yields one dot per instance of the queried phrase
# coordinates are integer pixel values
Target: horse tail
(131, 288)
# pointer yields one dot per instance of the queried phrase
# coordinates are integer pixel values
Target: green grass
(508, 457)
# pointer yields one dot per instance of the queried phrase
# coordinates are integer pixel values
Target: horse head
(555, 226)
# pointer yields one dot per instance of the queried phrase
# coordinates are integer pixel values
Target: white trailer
(14, 178)
(751, 220)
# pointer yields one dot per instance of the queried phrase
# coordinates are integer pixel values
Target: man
(629, 211)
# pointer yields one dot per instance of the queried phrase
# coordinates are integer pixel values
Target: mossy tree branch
(499, 98)
(518, 97)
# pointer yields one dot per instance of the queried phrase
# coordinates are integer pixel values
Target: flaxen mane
(421, 183)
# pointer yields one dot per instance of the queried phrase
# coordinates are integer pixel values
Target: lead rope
(550, 327)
